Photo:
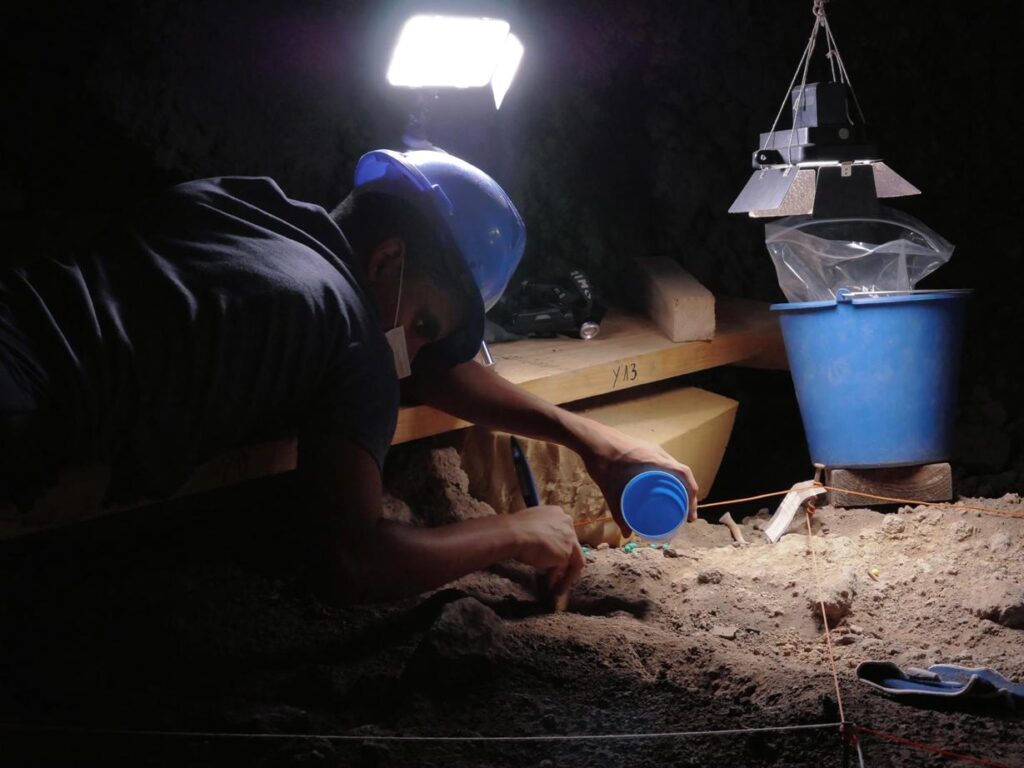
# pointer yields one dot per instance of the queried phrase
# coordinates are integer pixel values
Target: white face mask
(396, 336)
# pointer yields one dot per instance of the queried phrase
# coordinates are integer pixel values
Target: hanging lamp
(824, 164)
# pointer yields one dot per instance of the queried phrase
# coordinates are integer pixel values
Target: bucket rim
(869, 298)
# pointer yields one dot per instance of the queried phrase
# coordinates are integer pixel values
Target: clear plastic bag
(815, 258)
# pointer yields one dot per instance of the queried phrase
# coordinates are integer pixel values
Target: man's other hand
(546, 539)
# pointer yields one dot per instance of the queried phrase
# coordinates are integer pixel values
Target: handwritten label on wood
(625, 374)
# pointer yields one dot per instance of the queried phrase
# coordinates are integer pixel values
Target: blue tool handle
(527, 485)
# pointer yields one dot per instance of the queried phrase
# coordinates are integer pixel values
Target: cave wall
(628, 131)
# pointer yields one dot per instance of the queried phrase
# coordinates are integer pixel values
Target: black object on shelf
(545, 309)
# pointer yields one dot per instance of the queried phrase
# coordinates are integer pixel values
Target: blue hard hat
(483, 231)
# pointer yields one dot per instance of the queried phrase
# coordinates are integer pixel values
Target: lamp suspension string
(843, 73)
(782, 106)
(830, 42)
(836, 65)
(819, 13)
(802, 66)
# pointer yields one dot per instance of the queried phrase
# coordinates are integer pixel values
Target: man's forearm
(478, 394)
(400, 561)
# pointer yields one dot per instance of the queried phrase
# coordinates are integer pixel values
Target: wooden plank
(630, 352)
(78, 495)
(926, 482)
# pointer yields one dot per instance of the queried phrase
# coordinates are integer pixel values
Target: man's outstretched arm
(359, 557)
(478, 394)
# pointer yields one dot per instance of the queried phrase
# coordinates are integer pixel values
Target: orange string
(917, 503)
(727, 502)
(608, 518)
(824, 616)
(863, 494)
(929, 748)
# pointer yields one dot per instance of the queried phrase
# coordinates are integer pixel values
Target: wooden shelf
(630, 351)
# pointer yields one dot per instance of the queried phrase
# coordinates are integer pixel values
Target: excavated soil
(195, 618)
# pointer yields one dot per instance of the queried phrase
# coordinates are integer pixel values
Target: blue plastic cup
(655, 505)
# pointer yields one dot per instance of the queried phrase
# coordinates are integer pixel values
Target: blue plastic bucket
(876, 375)
(655, 505)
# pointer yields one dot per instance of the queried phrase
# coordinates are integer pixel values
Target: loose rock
(1000, 603)
(962, 530)
(837, 593)
(710, 576)
(999, 542)
(893, 527)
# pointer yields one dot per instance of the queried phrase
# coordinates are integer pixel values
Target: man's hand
(546, 539)
(612, 459)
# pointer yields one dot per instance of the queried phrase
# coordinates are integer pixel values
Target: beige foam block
(689, 423)
(679, 305)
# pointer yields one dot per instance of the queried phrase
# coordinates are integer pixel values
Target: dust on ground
(194, 619)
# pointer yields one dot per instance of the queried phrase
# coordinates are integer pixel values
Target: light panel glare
(508, 62)
(452, 52)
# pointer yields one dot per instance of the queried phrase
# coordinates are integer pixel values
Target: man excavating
(225, 313)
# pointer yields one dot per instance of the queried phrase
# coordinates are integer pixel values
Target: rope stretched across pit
(922, 747)
(824, 617)
(409, 738)
(918, 503)
(863, 494)
(548, 737)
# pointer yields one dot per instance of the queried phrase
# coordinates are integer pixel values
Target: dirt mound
(705, 635)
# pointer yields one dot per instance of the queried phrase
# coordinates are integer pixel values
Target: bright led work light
(456, 52)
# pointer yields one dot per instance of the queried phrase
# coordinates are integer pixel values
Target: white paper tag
(787, 510)
(399, 351)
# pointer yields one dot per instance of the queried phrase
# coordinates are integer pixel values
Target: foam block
(689, 423)
(680, 306)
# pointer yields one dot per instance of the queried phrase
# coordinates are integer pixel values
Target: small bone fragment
(728, 522)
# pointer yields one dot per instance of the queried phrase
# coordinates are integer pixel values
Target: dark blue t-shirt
(222, 313)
